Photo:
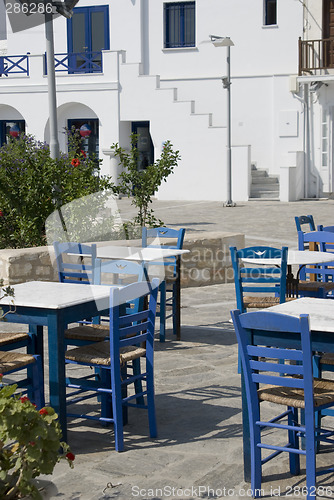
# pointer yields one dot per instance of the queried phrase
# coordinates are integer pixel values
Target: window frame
(4, 124)
(267, 14)
(181, 42)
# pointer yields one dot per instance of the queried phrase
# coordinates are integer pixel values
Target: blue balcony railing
(78, 62)
(10, 65)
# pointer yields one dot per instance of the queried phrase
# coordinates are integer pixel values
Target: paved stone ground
(198, 452)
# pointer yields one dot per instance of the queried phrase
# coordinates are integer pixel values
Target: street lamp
(65, 9)
(220, 41)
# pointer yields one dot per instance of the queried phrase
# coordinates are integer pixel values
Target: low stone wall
(207, 263)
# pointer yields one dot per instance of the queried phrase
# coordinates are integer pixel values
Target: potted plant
(30, 444)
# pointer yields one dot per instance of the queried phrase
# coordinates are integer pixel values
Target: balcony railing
(77, 62)
(315, 55)
(10, 65)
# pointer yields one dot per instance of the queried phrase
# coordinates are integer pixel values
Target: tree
(142, 184)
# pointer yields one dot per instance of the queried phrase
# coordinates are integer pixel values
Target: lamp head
(221, 41)
(65, 7)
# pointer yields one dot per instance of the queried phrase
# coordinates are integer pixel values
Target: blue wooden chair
(259, 279)
(170, 286)
(75, 262)
(131, 337)
(305, 219)
(33, 383)
(106, 273)
(323, 274)
(291, 385)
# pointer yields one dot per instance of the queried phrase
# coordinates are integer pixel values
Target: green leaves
(142, 184)
(33, 185)
(29, 444)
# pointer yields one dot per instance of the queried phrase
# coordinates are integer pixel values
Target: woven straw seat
(327, 359)
(7, 338)
(315, 285)
(91, 333)
(99, 354)
(323, 394)
(262, 302)
(10, 360)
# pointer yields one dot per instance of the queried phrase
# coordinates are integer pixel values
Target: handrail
(315, 55)
(14, 65)
(78, 62)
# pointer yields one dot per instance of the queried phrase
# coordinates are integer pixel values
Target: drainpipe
(306, 139)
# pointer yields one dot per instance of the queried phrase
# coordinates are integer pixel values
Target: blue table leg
(35, 346)
(57, 368)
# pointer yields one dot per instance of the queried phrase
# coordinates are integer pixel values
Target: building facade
(148, 66)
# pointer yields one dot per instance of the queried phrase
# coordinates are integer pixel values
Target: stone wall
(207, 263)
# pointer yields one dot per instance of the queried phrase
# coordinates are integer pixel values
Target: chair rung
(281, 426)
(90, 417)
(281, 448)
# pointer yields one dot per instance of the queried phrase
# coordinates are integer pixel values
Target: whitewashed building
(148, 66)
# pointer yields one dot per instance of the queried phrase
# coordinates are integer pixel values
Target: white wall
(181, 92)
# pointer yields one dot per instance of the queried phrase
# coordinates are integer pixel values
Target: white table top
(299, 257)
(139, 254)
(320, 311)
(52, 295)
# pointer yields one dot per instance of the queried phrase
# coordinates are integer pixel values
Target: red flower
(43, 411)
(70, 456)
(32, 443)
(1, 213)
(75, 162)
(24, 399)
(83, 153)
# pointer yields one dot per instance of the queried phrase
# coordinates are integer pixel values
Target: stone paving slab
(198, 452)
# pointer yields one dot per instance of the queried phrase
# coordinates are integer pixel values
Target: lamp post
(63, 8)
(220, 41)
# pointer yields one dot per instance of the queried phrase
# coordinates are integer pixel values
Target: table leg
(57, 368)
(35, 346)
(178, 298)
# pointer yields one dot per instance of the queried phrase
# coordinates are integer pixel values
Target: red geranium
(43, 411)
(24, 399)
(75, 162)
(1, 213)
(83, 153)
(70, 456)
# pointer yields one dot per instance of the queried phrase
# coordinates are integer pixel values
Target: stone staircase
(264, 186)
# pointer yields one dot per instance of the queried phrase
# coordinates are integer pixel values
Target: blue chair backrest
(259, 278)
(325, 241)
(163, 232)
(301, 221)
(262, 364)
(130, 329)
(305, 219)
(329, 229)
(119, 271)
(72, 262)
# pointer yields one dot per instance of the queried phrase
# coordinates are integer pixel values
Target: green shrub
(141, 185)
(33, 185)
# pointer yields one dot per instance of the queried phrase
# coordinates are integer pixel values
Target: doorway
(144, 144)
(328, 33)
(87, 36)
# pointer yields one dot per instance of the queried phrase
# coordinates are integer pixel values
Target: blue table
(321, 317)
(55, 305)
